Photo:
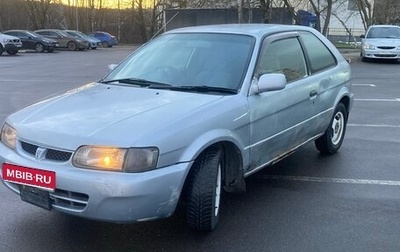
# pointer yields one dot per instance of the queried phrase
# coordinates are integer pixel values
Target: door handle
(313, 93)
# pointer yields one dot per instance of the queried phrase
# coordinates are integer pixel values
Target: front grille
(50, 154)
(69, 200)
(385, 55)
(386, 47)
(57, 155)
(29, 148)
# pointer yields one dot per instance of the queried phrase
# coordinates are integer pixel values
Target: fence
(342, 35)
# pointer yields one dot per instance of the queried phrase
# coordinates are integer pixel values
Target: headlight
(116, 159)
(368, 47)
(9, 136)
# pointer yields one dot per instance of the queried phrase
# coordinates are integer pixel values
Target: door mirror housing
(269, 82)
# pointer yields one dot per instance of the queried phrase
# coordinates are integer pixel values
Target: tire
(50, 49)
(104, 44)
(39, 48)
(72, 46)
(330, 142)
(12, 52)
(203, 191)
(1, 49)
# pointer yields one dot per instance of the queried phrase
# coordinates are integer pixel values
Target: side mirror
(112, 67)
(269, 82)
(362, 36)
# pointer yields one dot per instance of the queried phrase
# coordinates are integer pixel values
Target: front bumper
(381, 54)
(83, 45)
(13, 47)
(107, 196)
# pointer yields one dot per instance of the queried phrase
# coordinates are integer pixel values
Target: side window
(22, 35)
(283, 56)
(53, 34)
(319, 55)
(44, 33)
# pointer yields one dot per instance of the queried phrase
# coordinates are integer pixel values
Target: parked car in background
(381, 42)
(93, 42)
(107, 40)
(183, 118)
(33, 41)
(64, 39)
(9, 44)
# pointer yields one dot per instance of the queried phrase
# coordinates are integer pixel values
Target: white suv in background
(10, 44)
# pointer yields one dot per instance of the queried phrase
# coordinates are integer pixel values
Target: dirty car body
(186, 116)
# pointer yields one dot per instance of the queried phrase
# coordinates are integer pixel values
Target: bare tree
(386, 12)
(365, 8)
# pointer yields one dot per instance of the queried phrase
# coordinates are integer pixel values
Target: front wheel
(71, 46)
(12, 52)
(204, 191)
(330, 142)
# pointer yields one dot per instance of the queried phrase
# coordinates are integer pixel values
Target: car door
(28, 42)
(280, 120)
(61, 40)
(325, 75)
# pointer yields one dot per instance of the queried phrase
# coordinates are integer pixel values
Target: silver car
(184, 118)
(381, 42)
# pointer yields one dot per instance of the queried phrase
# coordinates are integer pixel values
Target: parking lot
(307, 202)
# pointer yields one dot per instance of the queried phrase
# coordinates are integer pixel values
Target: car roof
(384, 26)
(257, 30)
(18, 31)
(49, 30)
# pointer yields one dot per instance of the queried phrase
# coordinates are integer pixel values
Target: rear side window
(319, 55)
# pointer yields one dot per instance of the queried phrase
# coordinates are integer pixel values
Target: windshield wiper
(200, 89)
(139, 82)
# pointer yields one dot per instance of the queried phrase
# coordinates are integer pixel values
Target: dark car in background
(93, 42)
(107, 40)
(64, 39)
(33, 41)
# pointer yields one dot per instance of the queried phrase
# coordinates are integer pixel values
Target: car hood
(5, 36)
(383, 42)
(102, 114)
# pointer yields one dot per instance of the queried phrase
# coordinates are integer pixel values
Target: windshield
(33, 34)
(75, 34)
(384, 32)
(65, 34)
(195, 59)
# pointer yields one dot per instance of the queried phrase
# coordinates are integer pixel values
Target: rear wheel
(71, 46)
(203, 195)
(1, 49)
(104, 44)
(39, 48)
(50, 49)
(330, 142)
